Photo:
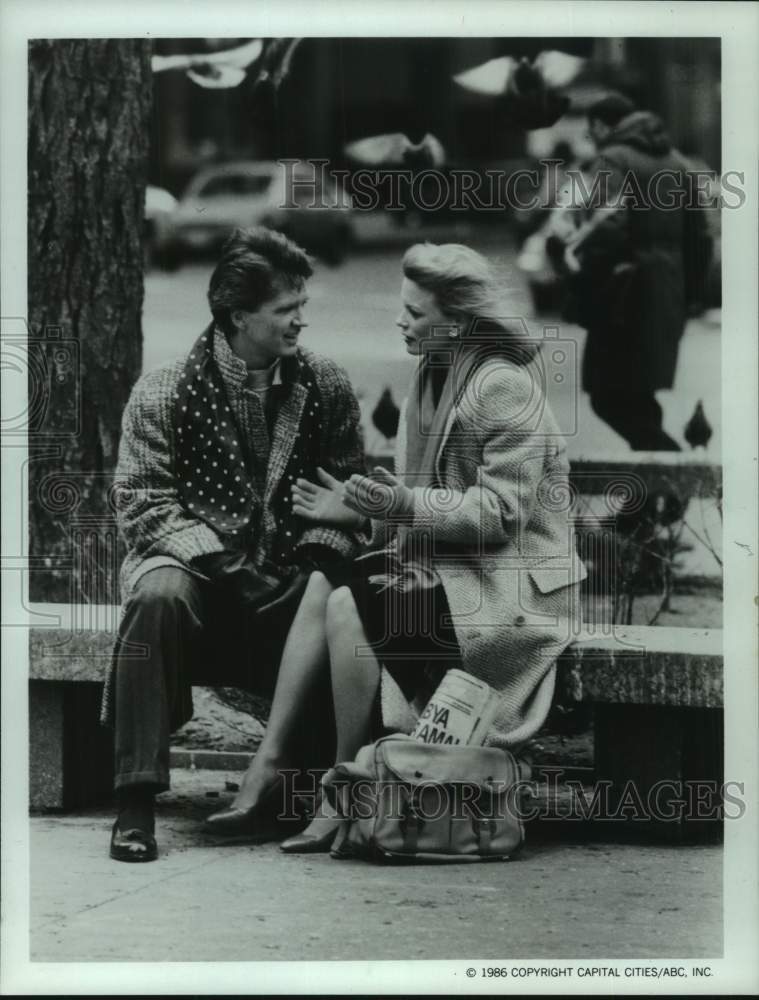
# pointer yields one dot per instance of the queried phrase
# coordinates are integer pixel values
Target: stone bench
(71, 755)
(657, 697)
(656, 692)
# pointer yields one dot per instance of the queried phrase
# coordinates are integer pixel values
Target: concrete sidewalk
(199, 902)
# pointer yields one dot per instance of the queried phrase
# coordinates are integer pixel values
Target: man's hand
(238, 577)
(215, 564)
(322, 503)
(313, 556)
(290, 595)
(380, 495)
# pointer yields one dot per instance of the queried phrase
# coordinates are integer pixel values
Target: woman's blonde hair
(466, 287)
(461, 279)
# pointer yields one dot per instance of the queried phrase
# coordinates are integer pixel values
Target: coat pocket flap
(416, 763)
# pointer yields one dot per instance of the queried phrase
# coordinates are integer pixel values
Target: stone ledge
(682, 471)
(646, 665)
(67, 644)
(643, 664)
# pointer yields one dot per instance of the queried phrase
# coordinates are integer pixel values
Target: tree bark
(89, 128)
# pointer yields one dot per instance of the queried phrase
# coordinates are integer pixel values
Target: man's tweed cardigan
(157, 529)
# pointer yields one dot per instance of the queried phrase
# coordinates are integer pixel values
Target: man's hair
(611, 109)
(254, 265)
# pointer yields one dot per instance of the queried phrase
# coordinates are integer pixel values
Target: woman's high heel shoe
(256, 819)
(309, 843)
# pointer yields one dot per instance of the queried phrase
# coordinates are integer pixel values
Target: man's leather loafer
(132, 845)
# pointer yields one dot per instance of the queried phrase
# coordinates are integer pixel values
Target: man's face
(271, 332)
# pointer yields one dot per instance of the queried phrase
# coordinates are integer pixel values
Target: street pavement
(202, 902)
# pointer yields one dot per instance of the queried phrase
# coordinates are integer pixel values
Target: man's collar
(233, 368)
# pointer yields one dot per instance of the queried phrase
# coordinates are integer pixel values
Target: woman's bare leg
(355, 680)
(304, 656)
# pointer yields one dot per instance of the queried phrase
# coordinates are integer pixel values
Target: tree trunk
(89, 127)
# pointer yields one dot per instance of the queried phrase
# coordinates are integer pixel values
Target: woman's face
(421, 318)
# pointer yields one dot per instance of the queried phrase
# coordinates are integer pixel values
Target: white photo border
(738, 26)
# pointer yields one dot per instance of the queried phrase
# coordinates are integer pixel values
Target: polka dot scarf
(215, 483)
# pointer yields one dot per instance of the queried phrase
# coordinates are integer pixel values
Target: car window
(308, 190)
(235, 184)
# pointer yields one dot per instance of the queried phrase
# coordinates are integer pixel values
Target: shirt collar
(233, 369)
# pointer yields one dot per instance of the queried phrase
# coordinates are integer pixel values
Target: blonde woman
(472, 562)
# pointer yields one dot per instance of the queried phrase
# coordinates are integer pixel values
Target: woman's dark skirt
(406, 619)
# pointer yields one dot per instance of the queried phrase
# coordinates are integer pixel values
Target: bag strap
(341, 844)
(484, 828)
(484, 824)
(411, 822)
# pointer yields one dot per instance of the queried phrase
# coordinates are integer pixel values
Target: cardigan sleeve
(150, 516)
(343, 453)
(500, 422)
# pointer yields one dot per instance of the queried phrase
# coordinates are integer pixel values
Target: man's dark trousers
(179, 630)
(636, 416)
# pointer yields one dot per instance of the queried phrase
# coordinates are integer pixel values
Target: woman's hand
(323, 504)
(379, 495)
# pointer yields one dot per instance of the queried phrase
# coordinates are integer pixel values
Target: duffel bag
(404, 800)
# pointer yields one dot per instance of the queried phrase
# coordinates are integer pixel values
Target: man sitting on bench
(216, 560)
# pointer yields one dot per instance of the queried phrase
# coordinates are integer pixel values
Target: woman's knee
(318, 585)
(315, 595)
(341, 611)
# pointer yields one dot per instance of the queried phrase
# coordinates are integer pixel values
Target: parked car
(225, 196)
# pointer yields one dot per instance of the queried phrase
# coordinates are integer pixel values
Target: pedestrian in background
(638, 257)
